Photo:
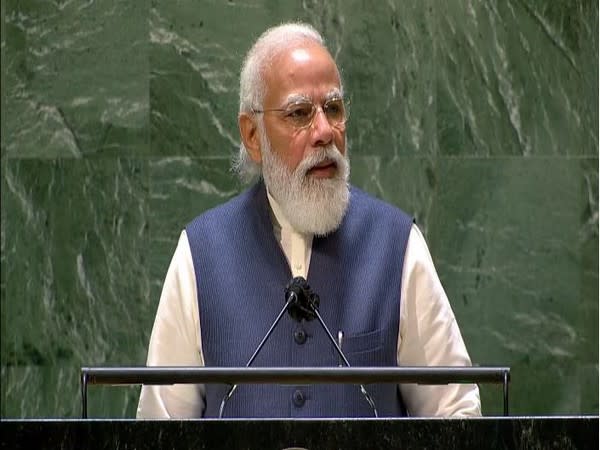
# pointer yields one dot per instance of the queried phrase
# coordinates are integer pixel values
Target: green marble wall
(119, 119)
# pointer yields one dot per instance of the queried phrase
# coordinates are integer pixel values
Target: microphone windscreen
(298, 287)
(303, 301)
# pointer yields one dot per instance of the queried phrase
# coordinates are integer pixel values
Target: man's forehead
(300, 54)
(297, 69)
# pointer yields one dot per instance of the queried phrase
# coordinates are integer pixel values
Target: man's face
(304, 72)
(303, 156)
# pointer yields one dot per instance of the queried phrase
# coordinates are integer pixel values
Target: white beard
(311, 205)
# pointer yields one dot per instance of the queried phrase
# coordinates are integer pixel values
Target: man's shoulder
(375, 224)
(225, 211)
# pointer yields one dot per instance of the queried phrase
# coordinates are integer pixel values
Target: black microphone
(306, 306)
(304, 301)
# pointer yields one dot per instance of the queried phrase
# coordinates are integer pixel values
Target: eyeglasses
(301, 114)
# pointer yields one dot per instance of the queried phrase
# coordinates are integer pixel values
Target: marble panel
(516, 78)
(195, 61)
(388, 64)
(407, 182)
(2, 72)
(182, 188)
(509, 237)
(3, 317)
(76, 78)
(53, 391)
(76, 283)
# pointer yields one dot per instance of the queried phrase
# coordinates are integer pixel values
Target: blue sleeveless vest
(241, 274)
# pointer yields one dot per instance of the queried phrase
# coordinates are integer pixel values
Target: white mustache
(329, 153)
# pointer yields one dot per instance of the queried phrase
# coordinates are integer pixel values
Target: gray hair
(252, 84)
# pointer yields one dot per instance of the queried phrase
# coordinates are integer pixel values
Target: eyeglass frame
(303, 100)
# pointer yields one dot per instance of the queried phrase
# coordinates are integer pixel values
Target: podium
(579, 432)
(568, 432)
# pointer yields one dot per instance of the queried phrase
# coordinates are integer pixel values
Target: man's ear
(250, 137)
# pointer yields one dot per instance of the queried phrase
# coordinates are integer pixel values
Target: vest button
(298, 398)
(300, 336)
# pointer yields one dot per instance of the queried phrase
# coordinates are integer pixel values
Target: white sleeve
(429, 336)
(175, 341)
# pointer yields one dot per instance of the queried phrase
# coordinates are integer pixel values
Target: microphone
(306, 306)
(304, 302)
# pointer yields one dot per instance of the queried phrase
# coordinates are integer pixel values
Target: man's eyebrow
(297, 98)
(334, 93)
(301, 98)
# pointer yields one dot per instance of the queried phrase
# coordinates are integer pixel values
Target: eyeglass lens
(302, 114)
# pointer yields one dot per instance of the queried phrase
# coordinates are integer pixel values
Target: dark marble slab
(565, 433)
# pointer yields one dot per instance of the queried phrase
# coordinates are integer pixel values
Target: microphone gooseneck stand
(341, 354)
(301, 303)
(311, 303)
(291, 298)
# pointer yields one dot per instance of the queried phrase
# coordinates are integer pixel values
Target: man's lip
(324, 163)
(325, 169)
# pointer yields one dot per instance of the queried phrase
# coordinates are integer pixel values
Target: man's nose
(321, 130)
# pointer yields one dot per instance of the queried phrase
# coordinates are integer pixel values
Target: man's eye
(334, 108)
(299, 112)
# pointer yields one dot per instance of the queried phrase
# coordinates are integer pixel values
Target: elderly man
(367, 261)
